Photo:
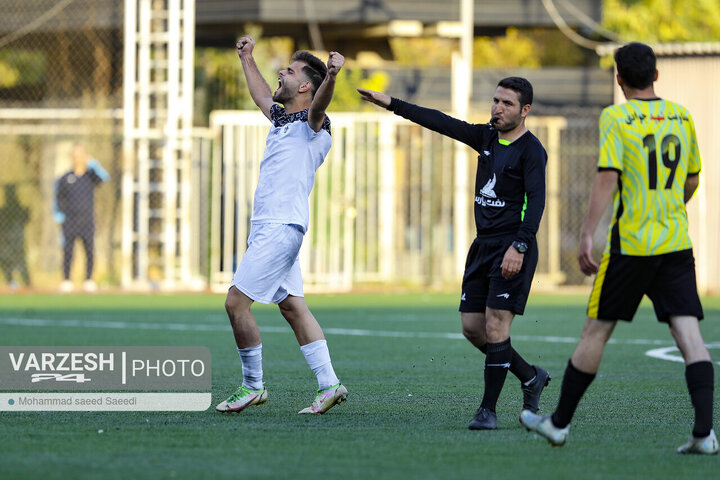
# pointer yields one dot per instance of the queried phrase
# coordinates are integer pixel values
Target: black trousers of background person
(86, 232)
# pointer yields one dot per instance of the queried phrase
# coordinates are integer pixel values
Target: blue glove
(59, 217)
(95, 166)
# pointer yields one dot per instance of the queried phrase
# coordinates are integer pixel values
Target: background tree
(663, 20)
(220, 81)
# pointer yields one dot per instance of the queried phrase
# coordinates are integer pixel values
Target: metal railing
(383, 204)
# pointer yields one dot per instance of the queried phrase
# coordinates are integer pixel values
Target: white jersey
(293, 151)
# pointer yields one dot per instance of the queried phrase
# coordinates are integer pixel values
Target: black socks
(700, 383)
(699, 378)
(573, 388)
(518, 366)
(497, 363)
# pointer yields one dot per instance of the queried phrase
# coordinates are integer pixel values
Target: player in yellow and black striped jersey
(649, 167)
(651, 143)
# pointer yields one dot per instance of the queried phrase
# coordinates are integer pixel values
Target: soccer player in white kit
(296, 146)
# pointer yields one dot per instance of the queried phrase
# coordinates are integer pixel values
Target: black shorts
(483, 284)
(668, 280)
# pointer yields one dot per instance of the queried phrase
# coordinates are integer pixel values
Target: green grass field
(414, 386)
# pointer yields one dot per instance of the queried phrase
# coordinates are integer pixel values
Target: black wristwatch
(520, 246)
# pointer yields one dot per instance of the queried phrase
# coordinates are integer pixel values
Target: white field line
(198, 327)
(660, 353)
(664, 353)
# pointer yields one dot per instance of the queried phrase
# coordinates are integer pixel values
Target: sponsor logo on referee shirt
(488, 197)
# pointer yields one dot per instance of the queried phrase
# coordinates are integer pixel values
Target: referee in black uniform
(509, 202)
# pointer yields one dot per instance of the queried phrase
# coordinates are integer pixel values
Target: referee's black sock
(573, 388)
(699, 378)
(518, 366)
(497, 363)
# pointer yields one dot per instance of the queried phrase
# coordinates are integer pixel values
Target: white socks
(252, 367)
(316, 354)
(318, 358)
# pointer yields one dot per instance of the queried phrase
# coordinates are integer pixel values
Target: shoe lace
(239, 393)
(323, 393)
(481, 412)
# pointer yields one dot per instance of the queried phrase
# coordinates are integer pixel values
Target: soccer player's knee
(288, 310)
(230, 305)
(597, 331)
(233, 305)
(471, 333)
(496, 331)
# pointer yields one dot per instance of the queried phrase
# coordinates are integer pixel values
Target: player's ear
(304, 86)
(656, 76)
(525, 110)
(619, 79)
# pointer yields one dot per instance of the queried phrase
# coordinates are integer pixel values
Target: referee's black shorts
(483, 284)
(667, 279)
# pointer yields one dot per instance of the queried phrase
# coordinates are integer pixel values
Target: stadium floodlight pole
(461, 93)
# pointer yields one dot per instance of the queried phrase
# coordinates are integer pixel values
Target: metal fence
(63, 54)
(116, 79)
(37, 150)
(389, 205)
(384, 206)
(60, 79)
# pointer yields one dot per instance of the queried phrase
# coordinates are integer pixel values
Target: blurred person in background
(74, 210)
(13, 218)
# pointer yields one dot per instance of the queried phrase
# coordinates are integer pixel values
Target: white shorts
(270, 268)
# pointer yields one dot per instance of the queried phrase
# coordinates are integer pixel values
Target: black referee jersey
(510, 179)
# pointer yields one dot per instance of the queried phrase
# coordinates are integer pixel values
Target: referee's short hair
(636, 65)
(520, 85)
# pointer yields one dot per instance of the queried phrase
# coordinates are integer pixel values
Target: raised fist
(245, 46)
(335, 63)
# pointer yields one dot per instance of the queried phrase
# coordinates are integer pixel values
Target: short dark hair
(636, 65)
(314, 68)
(520, 85)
